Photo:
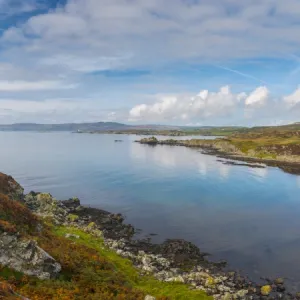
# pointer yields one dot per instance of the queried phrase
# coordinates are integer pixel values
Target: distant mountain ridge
(84, 127)
(120, 127)
(98, 126)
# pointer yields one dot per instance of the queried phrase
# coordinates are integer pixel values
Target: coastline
(174, 261)
(221, 148)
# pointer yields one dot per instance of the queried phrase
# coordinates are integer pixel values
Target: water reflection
(179, 158)
(248, 216)
(224, 171)
(260, 173)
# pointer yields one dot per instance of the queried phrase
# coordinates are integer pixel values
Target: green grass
(7, 273)
(147, 284)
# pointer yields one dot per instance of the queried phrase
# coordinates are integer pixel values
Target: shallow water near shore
(247, 216)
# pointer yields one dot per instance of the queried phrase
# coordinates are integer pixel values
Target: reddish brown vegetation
(9, 187)
(14, 216)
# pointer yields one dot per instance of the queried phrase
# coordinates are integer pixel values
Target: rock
(210, 282)
(27, 257)
(151, 141)
(149, 298)
(227, 296)
(280, 288)
(72, 236)
(181, 252)
(72, 204)
(241, 294)
(279, 281)
(266, 290)
(72, 218)
(176, 279)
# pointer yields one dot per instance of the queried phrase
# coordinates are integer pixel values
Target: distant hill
(99, 126)
(84, 127)
(114, 127)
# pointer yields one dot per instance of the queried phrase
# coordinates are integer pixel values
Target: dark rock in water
(118, 141)
(72, 203)
(280, 288)
(181, 252)
(279, 281)
(233, 163)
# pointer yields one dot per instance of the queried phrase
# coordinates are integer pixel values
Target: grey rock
(72, 236)
(148, 297)
(27, 257)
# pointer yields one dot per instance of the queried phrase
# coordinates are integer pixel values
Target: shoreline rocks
(225, 150)
(174, 260)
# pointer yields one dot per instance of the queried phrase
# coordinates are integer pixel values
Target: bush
(14, 216)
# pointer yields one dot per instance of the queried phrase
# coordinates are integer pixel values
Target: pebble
(149, 298)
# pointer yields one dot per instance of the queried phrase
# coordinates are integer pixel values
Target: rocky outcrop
(70, 212)
(17, 250)
(27, 257)
(150, 141)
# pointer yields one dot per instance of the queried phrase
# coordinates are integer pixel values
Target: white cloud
(18, 86)
(224, 106)
(50, 51)
(258, 97)
(183, 107)
(293, 98)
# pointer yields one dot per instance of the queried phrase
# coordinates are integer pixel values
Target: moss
(210, 282)
(72, 218)
(147, 284)
(7, 273)
(266, 290)
(91, 225)
(90, 271)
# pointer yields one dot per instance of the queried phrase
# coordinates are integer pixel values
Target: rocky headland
(51, 249)
(284, 156)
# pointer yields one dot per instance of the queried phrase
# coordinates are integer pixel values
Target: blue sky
(218, 62)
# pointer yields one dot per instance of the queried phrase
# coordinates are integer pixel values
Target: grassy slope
(90, 271)
(281, 144)
(214, 131)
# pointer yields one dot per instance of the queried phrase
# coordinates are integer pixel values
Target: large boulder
(45, 205)
(27, 257)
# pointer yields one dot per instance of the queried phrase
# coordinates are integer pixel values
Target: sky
(179, 62)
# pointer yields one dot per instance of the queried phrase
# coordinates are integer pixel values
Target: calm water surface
(247, 216)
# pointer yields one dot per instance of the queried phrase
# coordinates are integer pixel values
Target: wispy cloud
(240, 73)
(18, 86)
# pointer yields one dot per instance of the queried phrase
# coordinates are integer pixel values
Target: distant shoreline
(223, 148)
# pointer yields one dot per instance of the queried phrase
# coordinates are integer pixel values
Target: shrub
(15, 216)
